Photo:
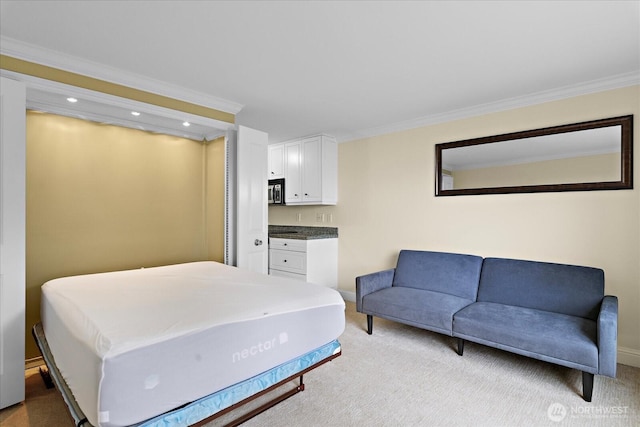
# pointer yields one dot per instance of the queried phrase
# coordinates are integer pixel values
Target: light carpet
(404, 376)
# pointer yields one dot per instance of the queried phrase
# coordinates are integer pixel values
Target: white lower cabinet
(313, 260)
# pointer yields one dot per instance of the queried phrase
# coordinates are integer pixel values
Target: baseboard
(33, 363)
(348, 296)
(626, 356)
(629, 356)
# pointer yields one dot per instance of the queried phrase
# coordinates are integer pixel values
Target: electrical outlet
(329, 217)
(319, 217)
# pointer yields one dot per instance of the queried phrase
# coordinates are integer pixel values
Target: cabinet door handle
(257, 242)
(284, 260)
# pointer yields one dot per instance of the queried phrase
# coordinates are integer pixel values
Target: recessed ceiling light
(186, 124)
(135, 113)
(72, 100)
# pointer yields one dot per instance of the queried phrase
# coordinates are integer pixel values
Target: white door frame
(12, 241)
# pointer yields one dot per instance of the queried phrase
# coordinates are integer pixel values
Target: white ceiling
(350, 69)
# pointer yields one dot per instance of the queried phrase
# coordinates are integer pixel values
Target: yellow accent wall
(103, 198)
(387, 203)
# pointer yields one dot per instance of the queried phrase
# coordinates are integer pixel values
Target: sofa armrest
(608, 336)
(372, 282)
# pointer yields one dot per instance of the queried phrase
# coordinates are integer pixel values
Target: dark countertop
(302, 232)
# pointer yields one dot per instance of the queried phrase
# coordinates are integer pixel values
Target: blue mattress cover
(220, 400)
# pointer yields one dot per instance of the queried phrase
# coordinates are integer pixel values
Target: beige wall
(103, 198)
(386, 203)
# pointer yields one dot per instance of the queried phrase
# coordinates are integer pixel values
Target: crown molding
(570, 91)
(32, 53)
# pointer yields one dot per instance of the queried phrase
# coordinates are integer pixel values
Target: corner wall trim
(626, 356)
(348, 295)
(33, 363)
(629, 356)
(578, 89)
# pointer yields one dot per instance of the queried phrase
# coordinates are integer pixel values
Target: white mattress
(134, 344)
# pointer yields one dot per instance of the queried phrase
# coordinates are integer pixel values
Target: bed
(178, 344)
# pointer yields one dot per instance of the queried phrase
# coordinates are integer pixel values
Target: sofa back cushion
(454, 274)
(559, 288)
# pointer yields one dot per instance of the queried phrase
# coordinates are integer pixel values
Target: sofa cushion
(560, 288)
(455, 274)
(539, 334)
(417, 307)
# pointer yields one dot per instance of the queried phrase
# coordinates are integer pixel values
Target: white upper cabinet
(292, 176)
(276, 161)
(311, 171)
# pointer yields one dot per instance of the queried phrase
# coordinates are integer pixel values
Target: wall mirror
(594, 155)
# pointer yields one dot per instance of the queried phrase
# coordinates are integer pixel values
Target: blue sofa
(552, 312)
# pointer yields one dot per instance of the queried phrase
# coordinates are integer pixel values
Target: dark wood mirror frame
(626, 159)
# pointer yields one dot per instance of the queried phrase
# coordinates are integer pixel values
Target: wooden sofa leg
(587, 386)
(369, 324)
(460, 346)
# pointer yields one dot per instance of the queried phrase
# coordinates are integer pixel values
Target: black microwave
(275, 191)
